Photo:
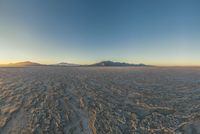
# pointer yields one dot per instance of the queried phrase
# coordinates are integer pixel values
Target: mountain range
(102, 63)
(111, 63)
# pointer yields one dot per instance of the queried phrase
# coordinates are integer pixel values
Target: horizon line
(154, 65)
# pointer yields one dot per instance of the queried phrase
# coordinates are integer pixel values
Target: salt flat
(99, 100)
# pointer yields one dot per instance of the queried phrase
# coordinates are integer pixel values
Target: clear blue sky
(160, 32)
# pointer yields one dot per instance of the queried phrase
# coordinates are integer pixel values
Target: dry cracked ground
(99, 100)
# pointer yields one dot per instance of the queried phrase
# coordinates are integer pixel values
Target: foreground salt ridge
(85, 100)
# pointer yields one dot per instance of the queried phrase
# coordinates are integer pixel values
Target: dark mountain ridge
(112, 63)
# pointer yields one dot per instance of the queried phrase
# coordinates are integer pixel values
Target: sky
(156, 32)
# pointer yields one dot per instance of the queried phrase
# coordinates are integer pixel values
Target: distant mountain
(111, 63)
(21, 64)
(66, 64)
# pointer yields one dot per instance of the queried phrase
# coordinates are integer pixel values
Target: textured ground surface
(47, 100)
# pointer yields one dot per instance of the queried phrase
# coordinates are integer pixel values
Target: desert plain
(100, 100)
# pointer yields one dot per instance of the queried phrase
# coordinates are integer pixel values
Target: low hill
(65, 64)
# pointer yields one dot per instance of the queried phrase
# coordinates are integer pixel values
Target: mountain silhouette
(112, 63)
(21, 64)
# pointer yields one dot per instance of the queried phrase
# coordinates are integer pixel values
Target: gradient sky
(158, 32)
